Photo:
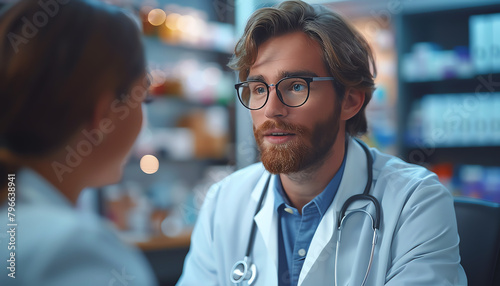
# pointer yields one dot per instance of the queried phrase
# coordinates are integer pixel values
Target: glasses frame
(307, 79)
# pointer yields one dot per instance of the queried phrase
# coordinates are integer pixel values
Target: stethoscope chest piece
(243, 271)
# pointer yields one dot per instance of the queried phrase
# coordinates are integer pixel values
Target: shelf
(164, 242)
(159, 242)
(158, 51)
(182, 101)
(154, 40)
(448, 28)
(464, 97)
(436, 6)
(495, 80)
(485, 156)
(165, 160)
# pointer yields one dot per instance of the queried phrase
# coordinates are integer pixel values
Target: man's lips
(278, 132)
(276, 136)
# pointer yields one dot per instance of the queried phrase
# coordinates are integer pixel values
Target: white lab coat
(417, 243)
(58, 246)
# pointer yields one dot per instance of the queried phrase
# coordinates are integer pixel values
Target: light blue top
(295, 231)
(57, 245)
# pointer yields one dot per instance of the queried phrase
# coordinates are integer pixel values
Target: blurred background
(437, 104)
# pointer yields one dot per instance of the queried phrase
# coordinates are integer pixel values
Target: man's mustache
(285, 126)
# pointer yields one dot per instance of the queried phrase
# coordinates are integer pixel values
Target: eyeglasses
(291, 91)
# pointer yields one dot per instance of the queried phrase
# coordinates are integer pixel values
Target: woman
(72, 80)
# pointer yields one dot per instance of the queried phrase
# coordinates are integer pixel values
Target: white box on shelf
(481, 132)
(427, 120)
(495, 36)
(496, 118)
(480, 40)
(456, 120)
(434, 129)
(490, 112)
(178, 143)
(460, 120)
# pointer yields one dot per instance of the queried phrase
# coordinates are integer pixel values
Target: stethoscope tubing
(375, 221)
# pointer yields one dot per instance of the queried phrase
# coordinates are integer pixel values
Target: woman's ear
(102, 110)
(352, 103)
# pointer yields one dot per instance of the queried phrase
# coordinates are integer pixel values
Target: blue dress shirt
(295, 231)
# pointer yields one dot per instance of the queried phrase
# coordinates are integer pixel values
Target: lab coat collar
(354, 173)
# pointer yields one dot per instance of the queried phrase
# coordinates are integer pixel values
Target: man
(306, 77)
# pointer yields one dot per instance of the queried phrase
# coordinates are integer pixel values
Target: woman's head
(58, 60)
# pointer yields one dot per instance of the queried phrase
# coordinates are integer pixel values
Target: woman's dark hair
(57, 57)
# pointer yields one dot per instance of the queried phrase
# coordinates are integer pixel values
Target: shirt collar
(280, 197)
(321, 201)
(34, 189)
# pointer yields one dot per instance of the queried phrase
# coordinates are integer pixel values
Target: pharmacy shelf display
(449, 95)
(186, 141)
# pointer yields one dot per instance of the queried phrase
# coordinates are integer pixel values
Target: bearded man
(321, 208)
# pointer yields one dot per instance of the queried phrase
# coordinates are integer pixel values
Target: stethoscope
(245, 270)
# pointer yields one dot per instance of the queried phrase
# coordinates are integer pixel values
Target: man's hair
(346, 54)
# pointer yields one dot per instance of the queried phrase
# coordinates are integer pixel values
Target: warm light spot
(186, 23)
(149, 164)
(156, 17)
(172, 21)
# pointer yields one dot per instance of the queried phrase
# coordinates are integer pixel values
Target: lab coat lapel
(353, 182)
(267, 219)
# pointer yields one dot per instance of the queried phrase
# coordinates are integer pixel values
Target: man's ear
(352, 103)
(102, 110)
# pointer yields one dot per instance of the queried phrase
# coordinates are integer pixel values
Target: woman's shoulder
(78, 243)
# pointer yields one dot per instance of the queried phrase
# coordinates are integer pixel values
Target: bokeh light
(149, 164)
(157, 17)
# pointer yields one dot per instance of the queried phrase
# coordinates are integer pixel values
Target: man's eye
(260, 90)
(298, 87)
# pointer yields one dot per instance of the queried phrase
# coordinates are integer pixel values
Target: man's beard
(308, 150)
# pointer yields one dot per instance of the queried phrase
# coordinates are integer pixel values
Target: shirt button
(289, 210)
(302, 252)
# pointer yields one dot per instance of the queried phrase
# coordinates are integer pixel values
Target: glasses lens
(253, 94)
(294, 91)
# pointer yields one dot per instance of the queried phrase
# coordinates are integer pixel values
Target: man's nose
(274, 107)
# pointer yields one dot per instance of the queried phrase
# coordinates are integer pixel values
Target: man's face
(292, 139)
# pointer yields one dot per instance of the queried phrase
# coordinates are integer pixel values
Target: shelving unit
(425, 135)
(189, 128)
